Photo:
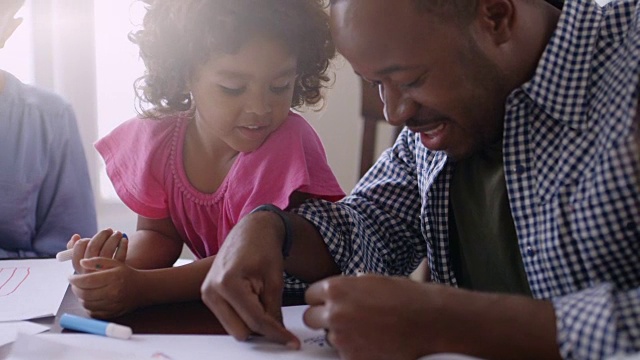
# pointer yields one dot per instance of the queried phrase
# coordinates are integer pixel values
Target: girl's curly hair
(177, 36)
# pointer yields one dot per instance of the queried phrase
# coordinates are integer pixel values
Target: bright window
(117, 67)
(17, 55)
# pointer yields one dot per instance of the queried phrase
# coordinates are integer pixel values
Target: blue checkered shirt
(571, 169)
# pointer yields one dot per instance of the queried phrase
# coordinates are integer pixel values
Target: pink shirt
(145, 163)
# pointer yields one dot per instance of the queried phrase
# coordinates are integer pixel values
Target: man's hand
(376, 317)
(244, 286)
(371, 317)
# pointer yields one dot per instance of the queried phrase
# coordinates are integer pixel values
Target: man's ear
(6, 31)
(496, 18)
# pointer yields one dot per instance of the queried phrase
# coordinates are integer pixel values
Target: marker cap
(118, 331)
(65, 255)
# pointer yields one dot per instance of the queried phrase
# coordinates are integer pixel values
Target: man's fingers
(271, 298)
(254, 315)
(228, 318)
(316, 317)
(316, 293)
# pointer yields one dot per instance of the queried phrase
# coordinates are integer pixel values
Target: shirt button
(518, 169)
(531, 251)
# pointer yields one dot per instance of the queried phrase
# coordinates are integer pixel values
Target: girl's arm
(155, 244)
(112, 288)
(153, 250)
(174, 283)
(108, 287)
(147, 277)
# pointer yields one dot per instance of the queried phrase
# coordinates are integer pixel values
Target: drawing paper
(10, 330)
(32, 288)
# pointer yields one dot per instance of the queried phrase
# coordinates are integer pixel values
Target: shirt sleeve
(65, 201)
(291, 160)
(597, 322)
(135, 155)
(377, 227)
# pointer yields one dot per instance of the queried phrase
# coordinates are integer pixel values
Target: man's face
(432, 75)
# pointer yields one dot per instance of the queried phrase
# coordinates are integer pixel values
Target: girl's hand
(106, 243)
(107, 288)
(74, 239)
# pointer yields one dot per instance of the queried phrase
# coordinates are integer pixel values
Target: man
(45, 191)
(516, 177)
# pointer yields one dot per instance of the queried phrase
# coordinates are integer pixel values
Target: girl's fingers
(79, 249)
(121, 251)
(96, 243)
(73, 241)
(111, 245)
(99, 263)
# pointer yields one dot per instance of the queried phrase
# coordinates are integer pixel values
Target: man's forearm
(309, 259)
(499, 326)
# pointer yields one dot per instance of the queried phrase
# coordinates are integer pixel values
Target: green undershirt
(483, 241)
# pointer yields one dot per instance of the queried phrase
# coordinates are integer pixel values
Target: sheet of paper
(183, 347)
(34, 347)
(174, 347)
(9, 330)
(32, 288)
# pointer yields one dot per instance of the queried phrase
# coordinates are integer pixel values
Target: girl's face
(241, 98)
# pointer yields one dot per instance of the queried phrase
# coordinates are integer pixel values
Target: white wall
(339, 125)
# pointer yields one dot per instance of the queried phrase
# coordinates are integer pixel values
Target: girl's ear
(7, 28)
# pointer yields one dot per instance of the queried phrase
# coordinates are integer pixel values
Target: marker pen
(94, 326)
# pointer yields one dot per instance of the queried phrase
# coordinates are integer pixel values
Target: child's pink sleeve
(292, 159)
(136, 156)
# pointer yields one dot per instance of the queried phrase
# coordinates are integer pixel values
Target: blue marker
(94, 326)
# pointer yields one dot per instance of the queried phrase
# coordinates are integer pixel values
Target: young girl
(217, 140)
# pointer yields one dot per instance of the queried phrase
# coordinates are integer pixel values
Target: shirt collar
(560, 83)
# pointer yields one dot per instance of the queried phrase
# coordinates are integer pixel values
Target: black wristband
(288, 239)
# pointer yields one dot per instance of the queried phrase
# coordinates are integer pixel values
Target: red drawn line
(28, 270)
(5, 283)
